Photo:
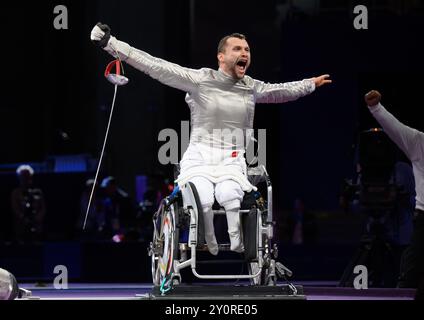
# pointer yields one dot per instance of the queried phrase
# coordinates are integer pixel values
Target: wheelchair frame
(164, 248)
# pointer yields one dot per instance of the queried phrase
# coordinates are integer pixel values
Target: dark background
(53, 84)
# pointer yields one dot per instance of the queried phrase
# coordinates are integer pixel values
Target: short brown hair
(223, 42)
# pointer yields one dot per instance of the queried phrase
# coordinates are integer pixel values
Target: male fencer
(222, 104)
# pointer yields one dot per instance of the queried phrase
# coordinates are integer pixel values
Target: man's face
(235, 60)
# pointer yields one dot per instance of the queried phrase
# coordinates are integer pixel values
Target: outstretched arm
(405, 137)
(289, 91)
(166, 72)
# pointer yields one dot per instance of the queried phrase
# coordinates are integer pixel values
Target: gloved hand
(100, 34)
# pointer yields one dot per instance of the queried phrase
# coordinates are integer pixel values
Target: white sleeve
(168, 73)
(406, 138)
(282, 92)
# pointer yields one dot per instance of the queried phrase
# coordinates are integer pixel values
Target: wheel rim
(165, 262)
(162, 262)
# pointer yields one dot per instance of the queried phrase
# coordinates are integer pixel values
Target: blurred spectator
(388, 222)
(95, 220)
(28, 207)
(158, 188)
(116, 211)
(395, 219)
(400, 221)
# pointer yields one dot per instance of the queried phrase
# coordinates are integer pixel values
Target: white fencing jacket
(410, 141)
(222, 112)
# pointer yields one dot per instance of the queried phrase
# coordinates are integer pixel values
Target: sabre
(117, 80)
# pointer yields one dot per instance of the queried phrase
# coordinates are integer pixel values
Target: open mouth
(241, 65)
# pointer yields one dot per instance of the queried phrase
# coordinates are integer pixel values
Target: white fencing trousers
(229, 195)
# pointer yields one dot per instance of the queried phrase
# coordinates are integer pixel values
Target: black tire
(201, 224)
(249, 226)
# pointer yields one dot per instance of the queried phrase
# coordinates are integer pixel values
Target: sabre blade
(100, 161)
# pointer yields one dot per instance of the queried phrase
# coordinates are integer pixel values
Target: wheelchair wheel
(164, 245)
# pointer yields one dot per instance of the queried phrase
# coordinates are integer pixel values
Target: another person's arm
(289, 91)
(166, 72)
(406, 138)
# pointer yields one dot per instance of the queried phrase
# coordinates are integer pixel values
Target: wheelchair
(181, 211)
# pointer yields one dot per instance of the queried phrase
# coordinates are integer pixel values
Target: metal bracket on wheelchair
(275, 251)
(24, 293)
(271, 277)
(266, 175)
(292, 288)
(283, 271)
(268, 230)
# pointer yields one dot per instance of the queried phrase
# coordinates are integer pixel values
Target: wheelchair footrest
(231, 292)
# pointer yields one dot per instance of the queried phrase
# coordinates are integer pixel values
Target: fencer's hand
(373, 98)
(322, 80)
(100, 34)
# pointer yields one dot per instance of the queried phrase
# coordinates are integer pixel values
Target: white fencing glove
(100, 35)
